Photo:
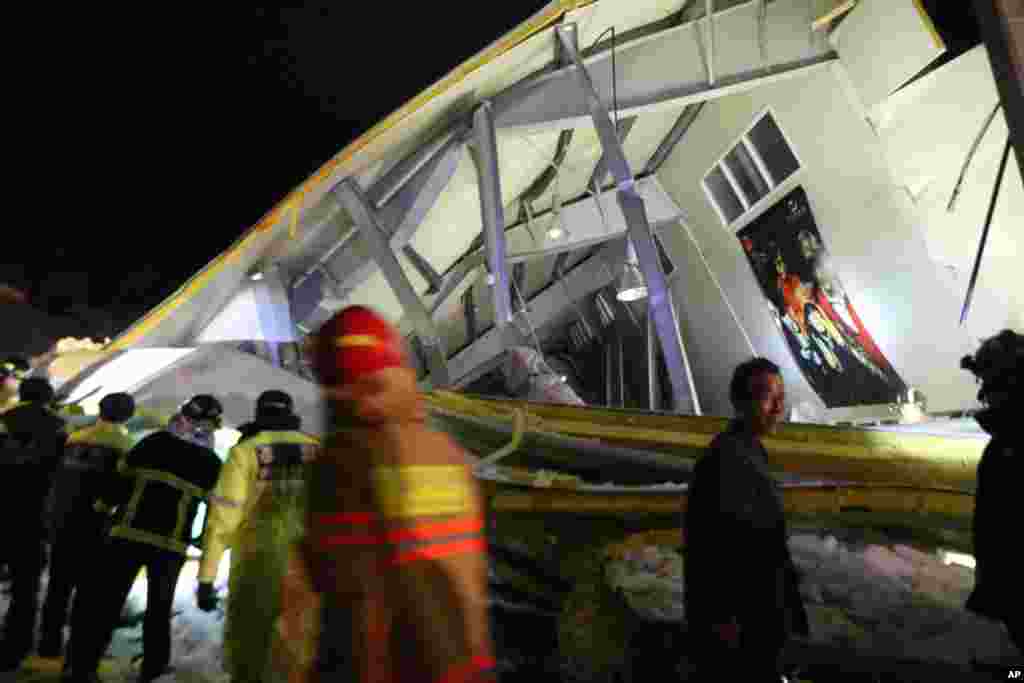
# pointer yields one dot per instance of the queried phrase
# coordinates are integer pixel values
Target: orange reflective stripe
(438, 551)
(461, 673)
(356, 340)
(344, 518)
(428, 530)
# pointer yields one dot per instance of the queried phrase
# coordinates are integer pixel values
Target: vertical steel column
(469, 310)
(352, 198)
(659, 295)
(653, 386)
(485, 145)
(709, 18)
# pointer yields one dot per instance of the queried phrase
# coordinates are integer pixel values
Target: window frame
(773, 185)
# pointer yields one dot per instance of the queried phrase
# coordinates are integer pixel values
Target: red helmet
(356, 342)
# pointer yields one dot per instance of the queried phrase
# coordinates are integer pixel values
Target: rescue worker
(998, 593)
(88, 473)
(167, 474)
(741, 586)
(31, 439)
(12, 371)
(258, 508)
(396, 527)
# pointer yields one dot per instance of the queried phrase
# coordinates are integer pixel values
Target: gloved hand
(206, 598)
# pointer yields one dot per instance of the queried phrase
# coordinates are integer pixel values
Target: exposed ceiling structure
(490, 209)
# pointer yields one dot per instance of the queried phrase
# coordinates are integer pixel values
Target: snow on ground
(886, 599)
(889, 599)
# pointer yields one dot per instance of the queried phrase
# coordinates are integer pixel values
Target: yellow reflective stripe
(139, 536)
(423, 490)
(356, 340)
(167, 478)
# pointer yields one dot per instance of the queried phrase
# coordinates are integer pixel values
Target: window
(755, 165)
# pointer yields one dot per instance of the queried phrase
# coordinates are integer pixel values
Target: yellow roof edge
(293, 201)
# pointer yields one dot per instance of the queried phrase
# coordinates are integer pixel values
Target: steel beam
(399, 218)
(1002, 29)
(385, 187)
(545, 309)
(679, 128)
(492, 212)
(653, 385)
(469, 309)
(519, 280)
(666, 70)
(371, 232)
(424, 268)
(601, 169)
(588, 225)
(632, 205)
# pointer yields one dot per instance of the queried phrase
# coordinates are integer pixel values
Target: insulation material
(883, 44)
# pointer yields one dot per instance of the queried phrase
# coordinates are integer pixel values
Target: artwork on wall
(812, 310)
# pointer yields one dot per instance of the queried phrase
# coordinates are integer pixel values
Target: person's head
(360, 358)
(999, 366)
(197, 419)
(809, 244)
(117, 408)
(274, 403)
(35, 390)
(12, 372)
(758, 394)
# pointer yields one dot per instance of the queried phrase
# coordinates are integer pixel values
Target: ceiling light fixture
(631, 283)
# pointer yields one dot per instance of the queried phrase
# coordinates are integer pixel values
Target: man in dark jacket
(31, 439)
(88, 473)
(741, 587)
(998, 591)
(168, 473)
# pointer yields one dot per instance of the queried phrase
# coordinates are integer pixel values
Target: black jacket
(998, 591)
(738, 564)
(31, 442)
(166, 468)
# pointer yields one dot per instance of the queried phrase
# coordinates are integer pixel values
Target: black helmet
(15, 366)
(36, 390)
(117, 407)
(274, 403)
(998, 364)
(203, 408)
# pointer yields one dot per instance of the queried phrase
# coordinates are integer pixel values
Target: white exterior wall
(868, 224)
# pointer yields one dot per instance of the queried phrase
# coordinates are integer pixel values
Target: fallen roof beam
(372, 233)
(660, 305)
(399, 218)
(666, 70)
(424, 268)
(485, 146)
(586, 223)
(670, 141)
(601, 169)
(385, 187)
(544, 308)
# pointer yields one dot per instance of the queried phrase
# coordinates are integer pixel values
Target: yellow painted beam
(838, 453)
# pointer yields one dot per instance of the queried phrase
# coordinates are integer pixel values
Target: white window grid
(773, 185)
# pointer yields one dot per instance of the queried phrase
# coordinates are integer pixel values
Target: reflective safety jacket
(399, 551)
(88, 472)
(165, 479)
(258, 509)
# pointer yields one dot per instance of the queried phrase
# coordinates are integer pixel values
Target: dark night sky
(168, 134)
(156, 138)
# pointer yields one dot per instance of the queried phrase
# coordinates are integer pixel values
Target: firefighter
(31, 439)
(999, 366)
(167, 474)
(396, 521)
(88, 472)
(258, 508)
(12, 371)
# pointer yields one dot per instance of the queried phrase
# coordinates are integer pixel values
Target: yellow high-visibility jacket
(258, 509)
